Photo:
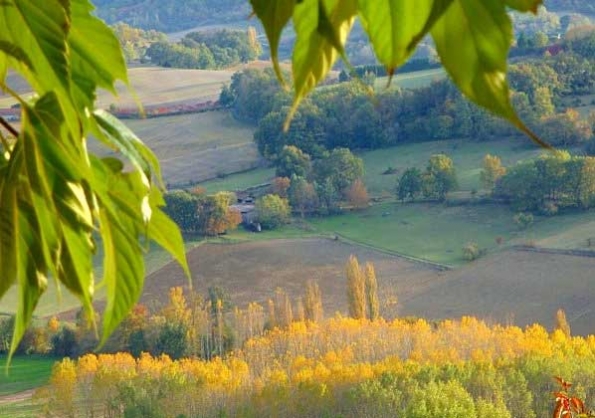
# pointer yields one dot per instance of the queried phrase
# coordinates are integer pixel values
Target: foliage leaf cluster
(58, 202)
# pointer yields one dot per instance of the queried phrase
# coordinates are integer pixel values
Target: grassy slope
(467, 156)
(412, 80)
(156, 85)
(25, 373)
(197, 147)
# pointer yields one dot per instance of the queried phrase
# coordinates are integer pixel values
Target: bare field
(508, 287)
(152, 86)
(163, 86)
(515, 286)
(198, 147)
(252, 271)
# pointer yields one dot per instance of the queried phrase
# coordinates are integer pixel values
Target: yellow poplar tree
(313, 302)
(562, 323)
(372, 292)
(492, 171)
(356, 289)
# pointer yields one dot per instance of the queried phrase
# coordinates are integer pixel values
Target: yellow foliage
(288, 369)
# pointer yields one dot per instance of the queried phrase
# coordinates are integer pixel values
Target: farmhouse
(247, 211)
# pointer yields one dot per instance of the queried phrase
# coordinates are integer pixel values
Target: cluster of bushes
(435, 182)
(207, 50)
(549, 183)
(198, 213)
(319, 186)
(135, 41)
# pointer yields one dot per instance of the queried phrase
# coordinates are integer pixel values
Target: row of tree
(340, 367)
(171, 15)
(435, 182)
(345, 116)
(207, 50)
(553, 181)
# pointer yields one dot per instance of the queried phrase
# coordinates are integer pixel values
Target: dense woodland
(171, 15)
(346, 116)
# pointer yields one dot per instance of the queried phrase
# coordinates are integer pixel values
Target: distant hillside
(171, 15)
(576, 6)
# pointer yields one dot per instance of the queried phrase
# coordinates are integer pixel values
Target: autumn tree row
(338, 367)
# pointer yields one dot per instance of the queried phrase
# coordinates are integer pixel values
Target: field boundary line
(560, 251)
(434, 265)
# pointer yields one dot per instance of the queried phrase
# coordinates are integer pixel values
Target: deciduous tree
(410, 184)
(302, 196)
(292, 161)
(272, 211)
(357, 195)
(492, 171)
(356, 289)
(439, 177)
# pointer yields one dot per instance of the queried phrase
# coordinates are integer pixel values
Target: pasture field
(412, 80)
(423, 230)
(197, 147)
(163, 86)
(438, 232)
(239, 181)
(517, 287)
(25, 373)
(467, 157)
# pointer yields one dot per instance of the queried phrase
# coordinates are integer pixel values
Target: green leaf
(322, 27)
(117, 134)
(165, 232)
(274, 14)
(524, 5)
(93, 67)
(396, 26)
(16, 52)
(473, 38)
(122, 220)
(31, 270)
(56, 170)
(8, 220)
(40, 28)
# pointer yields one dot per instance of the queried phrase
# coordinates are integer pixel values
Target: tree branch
(9, 127)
